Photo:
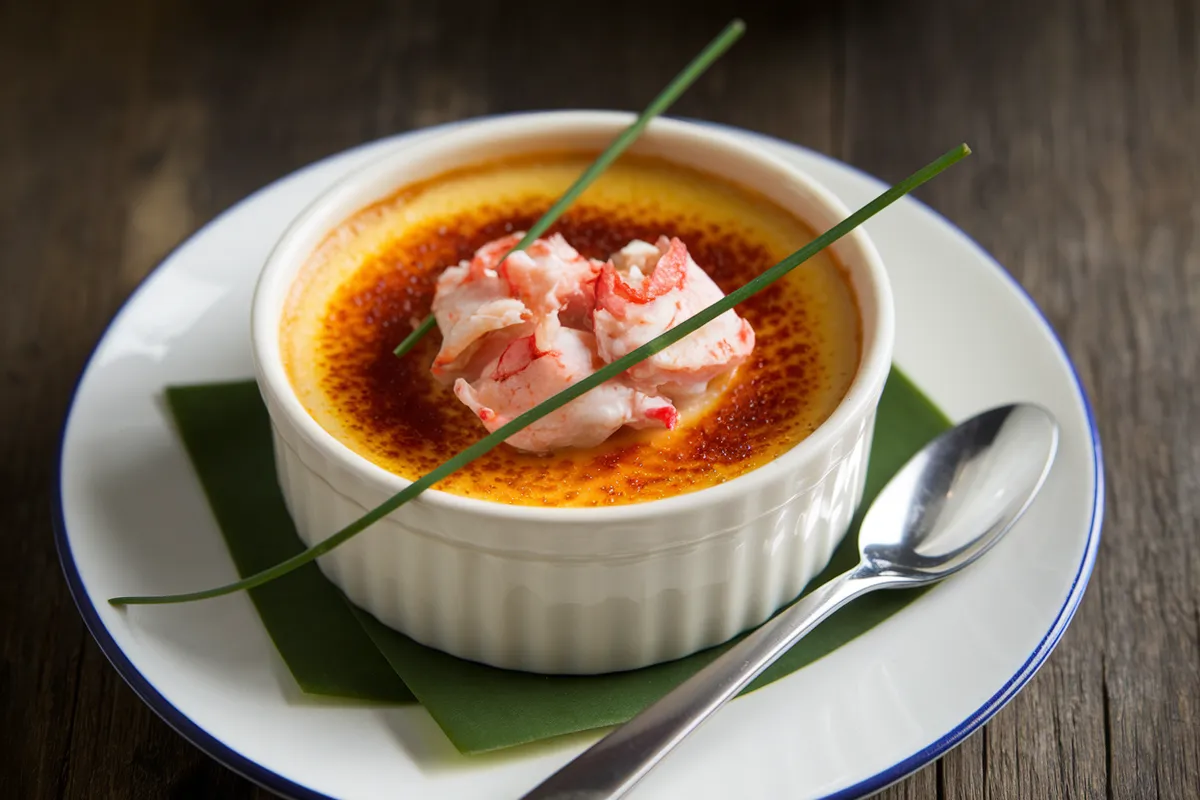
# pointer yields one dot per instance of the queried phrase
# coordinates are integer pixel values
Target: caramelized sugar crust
(375, 276)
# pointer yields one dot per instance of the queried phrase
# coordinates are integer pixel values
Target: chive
(716, 48)
(411, 340)
(556, 402)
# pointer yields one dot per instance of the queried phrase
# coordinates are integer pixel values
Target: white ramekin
(575, 590)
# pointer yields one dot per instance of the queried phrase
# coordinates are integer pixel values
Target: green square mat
(334, 649)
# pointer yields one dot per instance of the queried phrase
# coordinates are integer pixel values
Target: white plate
(131, 519)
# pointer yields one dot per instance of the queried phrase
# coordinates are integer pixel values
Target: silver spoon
(948, 505)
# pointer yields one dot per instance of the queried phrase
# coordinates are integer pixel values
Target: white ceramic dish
(131, 518)
(577, 590)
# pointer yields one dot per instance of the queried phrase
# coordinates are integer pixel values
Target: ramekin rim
(860, 399)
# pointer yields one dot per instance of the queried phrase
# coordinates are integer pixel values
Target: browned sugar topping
(409, 423)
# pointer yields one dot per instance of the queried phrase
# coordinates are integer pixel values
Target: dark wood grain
(124, 127)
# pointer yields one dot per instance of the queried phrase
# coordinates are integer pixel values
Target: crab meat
(554, 281)
(472, 304)
(646, 290)
(525, 375)
(483, 304)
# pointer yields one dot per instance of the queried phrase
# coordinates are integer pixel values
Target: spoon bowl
(955, 498)
(950, 504)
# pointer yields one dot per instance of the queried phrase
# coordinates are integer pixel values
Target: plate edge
(276, 782)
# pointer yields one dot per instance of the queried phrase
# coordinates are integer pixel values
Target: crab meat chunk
(554, 281)
(646, 290)
(525, 375)
(473, 306)
(483, 304)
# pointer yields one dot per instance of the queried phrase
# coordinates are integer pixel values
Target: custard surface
(373, 278)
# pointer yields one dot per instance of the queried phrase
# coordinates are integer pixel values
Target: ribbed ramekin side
(579, 615)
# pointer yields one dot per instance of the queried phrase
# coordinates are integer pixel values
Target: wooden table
(125, 127)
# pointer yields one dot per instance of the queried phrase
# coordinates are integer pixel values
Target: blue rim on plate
(275, 782)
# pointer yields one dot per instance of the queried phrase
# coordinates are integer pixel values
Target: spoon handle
(611, 767)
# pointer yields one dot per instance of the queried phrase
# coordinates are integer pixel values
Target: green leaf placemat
(480, 708)
(227, 434)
